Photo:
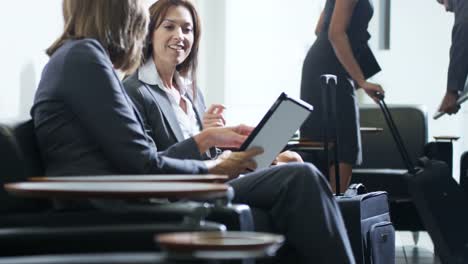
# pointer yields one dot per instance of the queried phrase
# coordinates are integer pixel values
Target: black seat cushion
(19, 159)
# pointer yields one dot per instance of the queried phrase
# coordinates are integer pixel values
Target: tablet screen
(275, 129)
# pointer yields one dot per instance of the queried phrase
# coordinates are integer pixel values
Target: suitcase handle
(355, 189)
(330, 108)
(395, 133)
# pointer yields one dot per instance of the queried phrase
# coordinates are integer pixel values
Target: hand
(234, 163)
(371, 89)
(449, 103)
(286, 157)
(214, 117)
(223, 137)
(229, 137)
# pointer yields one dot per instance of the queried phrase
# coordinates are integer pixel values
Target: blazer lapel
(163, 101)
(130, 102)
(198, 109)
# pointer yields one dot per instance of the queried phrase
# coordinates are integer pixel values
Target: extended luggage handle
(330, 109)
(395, 133)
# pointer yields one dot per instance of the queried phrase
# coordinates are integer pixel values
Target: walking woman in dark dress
(341, 49)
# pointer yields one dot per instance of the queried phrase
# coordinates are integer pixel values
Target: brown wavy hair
(158, 12)
(119, 25)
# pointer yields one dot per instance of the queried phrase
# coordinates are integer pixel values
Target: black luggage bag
(439, 200)
(366, 215)
(464, 172)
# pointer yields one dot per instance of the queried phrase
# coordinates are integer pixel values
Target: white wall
(212, 49)
(266, 41)
(27, 28)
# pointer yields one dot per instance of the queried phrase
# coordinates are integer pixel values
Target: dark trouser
(302, 207)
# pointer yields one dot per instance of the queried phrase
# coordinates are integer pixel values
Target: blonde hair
(119, 25)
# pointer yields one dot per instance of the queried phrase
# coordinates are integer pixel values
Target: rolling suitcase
(366, 215)
(439, 200)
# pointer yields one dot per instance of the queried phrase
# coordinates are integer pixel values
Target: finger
(219, 109)
(215, 117)
(252, 152)
(377, 88)
(225, 154)
(212, 116)
(250, 164)
(381, 90)
(237, 142)
(219, 123)
(234, 142)
(244, 129)
(222, 119)
(216, 109)
(211, 109)
(213, 120)
(213, 123)
(376, 99)
(454, 109)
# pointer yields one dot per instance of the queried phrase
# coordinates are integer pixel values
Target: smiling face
(172, 40)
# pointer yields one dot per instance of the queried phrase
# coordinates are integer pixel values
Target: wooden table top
(446, 138)
(305, 144)
(135, 178)
(246, 244)
(118, 190)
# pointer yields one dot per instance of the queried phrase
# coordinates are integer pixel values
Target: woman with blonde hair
(84, 121)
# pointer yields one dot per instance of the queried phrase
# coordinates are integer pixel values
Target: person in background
(295, 196)
(340, 49)
(86, 124)
(458, 67)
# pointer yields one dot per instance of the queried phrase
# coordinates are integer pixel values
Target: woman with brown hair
(294, 197)
(84, 121)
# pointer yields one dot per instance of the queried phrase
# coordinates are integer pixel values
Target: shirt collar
(148, 74)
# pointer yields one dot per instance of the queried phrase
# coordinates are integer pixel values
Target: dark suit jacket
(458, 67)
(86, 124)
(157, 113)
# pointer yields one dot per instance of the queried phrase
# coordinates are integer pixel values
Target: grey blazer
(157, 113)
(86, 124)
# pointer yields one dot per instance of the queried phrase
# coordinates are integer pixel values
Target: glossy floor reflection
(409, 253)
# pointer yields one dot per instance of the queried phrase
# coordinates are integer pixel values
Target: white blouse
(187, 121)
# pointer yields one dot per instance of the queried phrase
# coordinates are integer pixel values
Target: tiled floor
(409, 253)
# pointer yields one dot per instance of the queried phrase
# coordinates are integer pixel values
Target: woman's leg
(349, 135)
(302, 208)
(346, 170)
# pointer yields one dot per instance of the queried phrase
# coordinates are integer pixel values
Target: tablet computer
(275, 129)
